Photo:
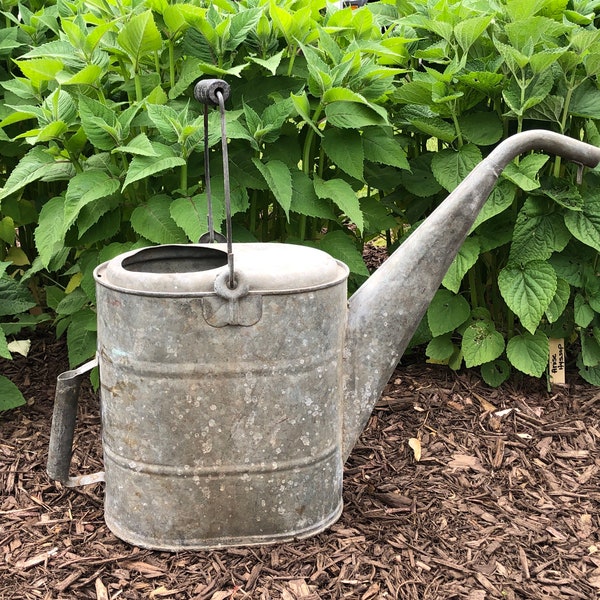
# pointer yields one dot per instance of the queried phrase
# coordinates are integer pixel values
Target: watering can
(231, 395)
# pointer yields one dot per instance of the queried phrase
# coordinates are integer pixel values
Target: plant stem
(183, 178)
(139, 94)
(459, 137)
(292, 50)
(302, 227)
(563, 122)
(473, 288)
(307, 162)
(171, 65)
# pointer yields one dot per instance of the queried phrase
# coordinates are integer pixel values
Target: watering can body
(229, 410)
(221, 416)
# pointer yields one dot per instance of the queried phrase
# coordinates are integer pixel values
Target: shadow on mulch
(503, 503)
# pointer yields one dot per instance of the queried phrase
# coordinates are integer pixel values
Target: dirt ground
(503, 503)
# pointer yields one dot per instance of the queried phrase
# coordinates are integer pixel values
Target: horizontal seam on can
(167, 470)
(237, 370)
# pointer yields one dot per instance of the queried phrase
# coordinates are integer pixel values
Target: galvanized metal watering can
(229, 406)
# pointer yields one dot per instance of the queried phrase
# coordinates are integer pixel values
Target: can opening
(175, 259)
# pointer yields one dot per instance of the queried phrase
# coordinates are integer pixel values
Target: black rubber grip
(206, 90)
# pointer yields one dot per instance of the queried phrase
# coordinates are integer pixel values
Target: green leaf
(99, 123)
(414, 92)
(559, 302)
(570, 266)
(542, 60)
(468, 31)
(145, 166)
(302, 106)
(382, 147)
(466, 257)
(590, 349)
(499, 200)
(15, 298)
(189, 72)
(210, 69)
(4, 350)
(589, 374)
(583, 313)
(352, 115)
(529, 353)
(481, 343)
(279, 179)
(495, 373)
(271, 64)
(240, 25)
(84, 188)
(481, 128)
(432, 126)
(341, 246)
(35, 165)
(39, 70)
(538, 232)
(191, 214)
(584, 101)
(420, 180)
(10, 396)
(49, 234)
(72, 302)
(81, 337)
(89, 75)
(525, 173)
(440, 349)
(153, 221)
(140, 145)
(450, 167)
(447, 312)
(345, 148)
(528, 291)
(166, 120)
(585, 224)
(514, 59)
(376, 216)
(305, 200)
(343, 196)
(140, 37)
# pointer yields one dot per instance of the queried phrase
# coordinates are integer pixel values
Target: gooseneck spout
(385, 312)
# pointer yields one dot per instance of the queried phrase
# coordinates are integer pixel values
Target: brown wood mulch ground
(503, 503)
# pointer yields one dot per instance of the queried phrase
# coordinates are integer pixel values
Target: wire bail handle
(214, 92)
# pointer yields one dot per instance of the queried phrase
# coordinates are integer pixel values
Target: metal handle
(215, 92)
(64, 416)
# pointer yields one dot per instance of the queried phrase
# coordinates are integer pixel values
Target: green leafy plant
(15, 303)
(479, 79)
(344, 126)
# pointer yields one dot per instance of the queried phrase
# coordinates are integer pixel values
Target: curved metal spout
(385, 312)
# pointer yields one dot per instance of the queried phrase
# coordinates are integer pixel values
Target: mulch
(502, 503)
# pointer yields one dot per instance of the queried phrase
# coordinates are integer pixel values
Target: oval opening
(175, 259)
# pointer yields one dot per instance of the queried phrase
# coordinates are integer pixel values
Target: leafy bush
(342, 124)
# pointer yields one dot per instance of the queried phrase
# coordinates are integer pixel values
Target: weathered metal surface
(385, 312)
(64, 417)
(221, 436)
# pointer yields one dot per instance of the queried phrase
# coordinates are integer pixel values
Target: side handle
(64, 416)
